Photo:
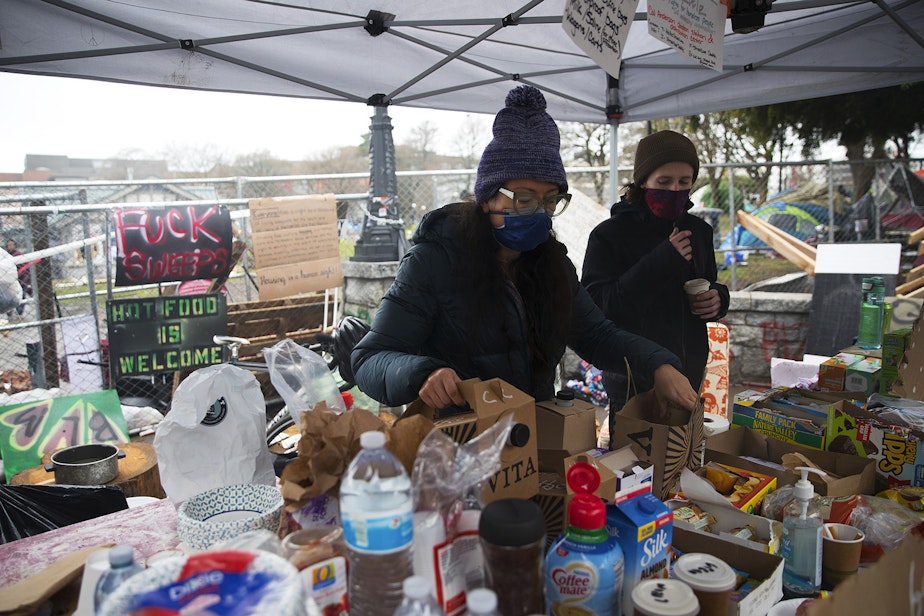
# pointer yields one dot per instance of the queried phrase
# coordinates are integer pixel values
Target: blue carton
(643, 526)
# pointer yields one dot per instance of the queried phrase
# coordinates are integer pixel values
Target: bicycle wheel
(278, 424)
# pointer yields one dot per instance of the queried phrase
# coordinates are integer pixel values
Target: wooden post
(45, 297)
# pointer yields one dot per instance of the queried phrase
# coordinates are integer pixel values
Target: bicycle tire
(278, 424)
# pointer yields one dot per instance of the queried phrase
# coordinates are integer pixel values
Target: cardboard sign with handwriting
(491, 400)
(296, 245)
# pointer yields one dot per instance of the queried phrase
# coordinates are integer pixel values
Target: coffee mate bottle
(584, 567)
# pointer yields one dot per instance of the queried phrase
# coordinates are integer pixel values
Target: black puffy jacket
(636, 277)
(420, 326)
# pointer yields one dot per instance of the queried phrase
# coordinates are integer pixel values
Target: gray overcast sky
(81, 118)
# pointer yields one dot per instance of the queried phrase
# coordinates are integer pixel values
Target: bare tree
(420, 144)
(191, 158)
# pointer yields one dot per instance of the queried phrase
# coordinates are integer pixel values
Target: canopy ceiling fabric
(460, 55)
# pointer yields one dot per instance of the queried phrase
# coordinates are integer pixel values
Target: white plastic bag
(10, 289)
(302, 378)
(214, 434)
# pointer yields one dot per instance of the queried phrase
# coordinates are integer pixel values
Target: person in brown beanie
(487, 291)
(638, 259)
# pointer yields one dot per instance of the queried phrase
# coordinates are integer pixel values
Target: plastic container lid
(372, 440)
(704, 572)
(481, 601)
(519, 435)
(585, 510)
(664, 598)
(564, 397)
(416, 586)
(121, 555)
(512, 522)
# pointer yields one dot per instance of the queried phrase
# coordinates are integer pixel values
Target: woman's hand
(441, 389)
(706, 305)
(680, 240)
(671, 386)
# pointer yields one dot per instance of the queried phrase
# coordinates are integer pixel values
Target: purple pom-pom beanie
(526, 145)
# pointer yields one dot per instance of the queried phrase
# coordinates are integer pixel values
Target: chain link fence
(62, 234)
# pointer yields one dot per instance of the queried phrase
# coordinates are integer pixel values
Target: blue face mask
(523, 233)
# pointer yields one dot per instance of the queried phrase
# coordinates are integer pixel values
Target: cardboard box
(563, 429)
(758, 484)
(848, 474)
(898, 452)
(832, 372)
(643, 527)
(490, 400)
(622, 474)
(863, 375)
(790, 414)
(551, 500)
(759, 565)
(727, 520)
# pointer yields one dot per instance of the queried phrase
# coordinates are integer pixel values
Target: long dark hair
(541, 279)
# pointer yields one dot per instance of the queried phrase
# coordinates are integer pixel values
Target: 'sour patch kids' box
(643, 526)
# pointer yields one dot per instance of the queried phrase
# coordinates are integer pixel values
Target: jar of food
(320, 556)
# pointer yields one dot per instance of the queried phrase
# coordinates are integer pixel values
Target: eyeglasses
(528, 203)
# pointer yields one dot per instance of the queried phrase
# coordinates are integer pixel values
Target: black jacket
(636, 277)
(421, 325)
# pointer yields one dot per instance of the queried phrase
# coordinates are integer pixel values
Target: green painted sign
(30, 430)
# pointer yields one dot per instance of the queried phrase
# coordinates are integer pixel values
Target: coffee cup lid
(661, 597)
(704, 572)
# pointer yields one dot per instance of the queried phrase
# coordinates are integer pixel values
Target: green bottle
(869, 335)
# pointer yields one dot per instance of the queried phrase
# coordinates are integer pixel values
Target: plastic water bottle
(122, 566)
(376, 511)
(418, 601)
(481, 602)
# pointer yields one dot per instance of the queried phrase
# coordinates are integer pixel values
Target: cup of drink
(694, 287)
(711, 579)
(662, 597)
(840, 553)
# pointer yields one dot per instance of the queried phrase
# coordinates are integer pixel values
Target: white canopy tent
(460, 56)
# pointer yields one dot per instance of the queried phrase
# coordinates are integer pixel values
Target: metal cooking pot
(85, 465)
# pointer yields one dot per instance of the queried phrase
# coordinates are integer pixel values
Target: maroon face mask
(667, 204)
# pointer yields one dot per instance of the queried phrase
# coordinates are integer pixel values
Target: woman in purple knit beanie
(487, 291)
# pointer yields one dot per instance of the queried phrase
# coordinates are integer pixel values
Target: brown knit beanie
(660, 148)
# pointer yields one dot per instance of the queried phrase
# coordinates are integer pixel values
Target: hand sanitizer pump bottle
(801, 546)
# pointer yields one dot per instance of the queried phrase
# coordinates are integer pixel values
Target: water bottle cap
(416, 587)
(481, 600)
(121, 555)
(372, 440)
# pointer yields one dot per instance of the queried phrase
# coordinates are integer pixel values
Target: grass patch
(760, 267)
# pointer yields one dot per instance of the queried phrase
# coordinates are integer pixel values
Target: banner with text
(600, 29)
(30, 430)
(695, 29)
(296, 245)
(160, 334)
(168, 244)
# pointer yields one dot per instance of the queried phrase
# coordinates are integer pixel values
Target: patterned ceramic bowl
(272, 580)
(226, 512)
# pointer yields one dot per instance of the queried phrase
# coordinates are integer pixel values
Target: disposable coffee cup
(711, 579)
(660, 597)
(840, 553)
(696, 286)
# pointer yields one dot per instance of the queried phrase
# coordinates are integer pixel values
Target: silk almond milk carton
(643, 526)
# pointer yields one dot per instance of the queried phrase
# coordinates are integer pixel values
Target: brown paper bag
(670, 444)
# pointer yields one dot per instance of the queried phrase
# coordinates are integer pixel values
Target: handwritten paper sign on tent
(600, 29)
(695, 29)
(296, 245)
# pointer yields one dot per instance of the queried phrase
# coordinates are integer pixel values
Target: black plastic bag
(28, 510)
